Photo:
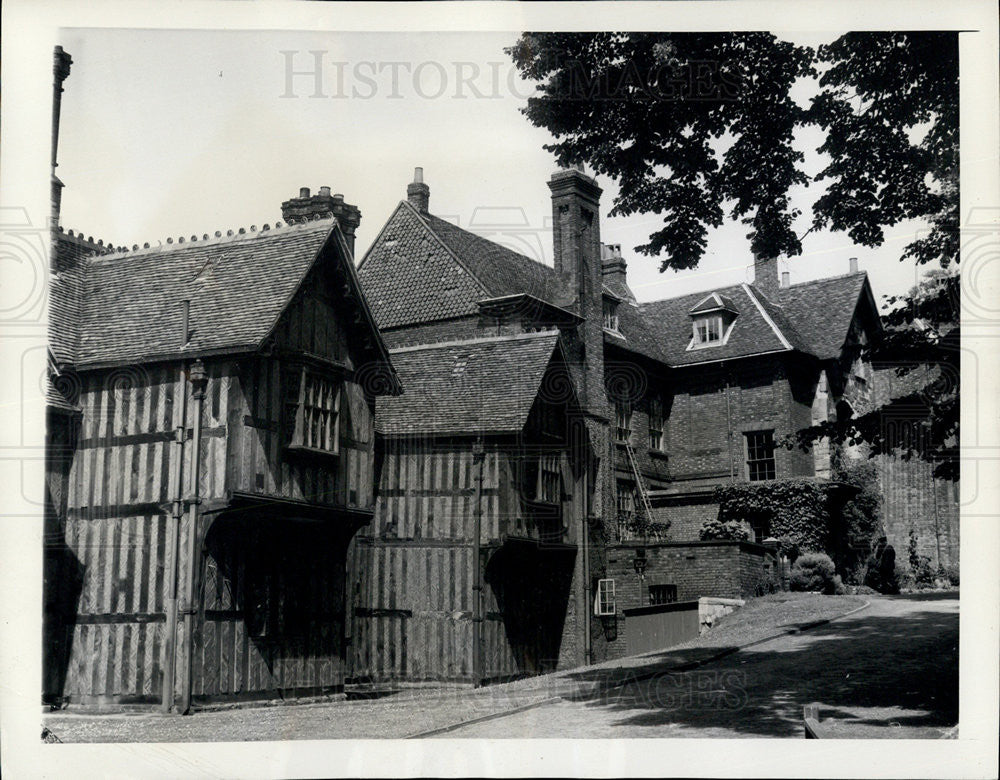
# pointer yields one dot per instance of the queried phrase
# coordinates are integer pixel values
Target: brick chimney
(614, 269)
(418, 193)
(765, 274)
(323, 204)
(576, 237)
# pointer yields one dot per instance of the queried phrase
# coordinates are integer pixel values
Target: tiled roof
(64, 312)
(501, 270)
(822, 310)
(129, 305)
(422, 268)
(751, 334)
(475, 386)
(410, 276)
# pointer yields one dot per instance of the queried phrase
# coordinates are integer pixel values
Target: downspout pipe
(585, 534)
(189, 608)
(169, 662)
(478, 453)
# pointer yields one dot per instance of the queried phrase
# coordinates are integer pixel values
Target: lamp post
(640, 568)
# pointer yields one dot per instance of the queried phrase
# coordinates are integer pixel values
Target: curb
(637, 677)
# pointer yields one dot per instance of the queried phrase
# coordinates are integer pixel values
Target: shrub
(723, 529)
(861, 517)
(920, 565)
(949, 573)
(815, 572)
(769, 582)
(881, 569)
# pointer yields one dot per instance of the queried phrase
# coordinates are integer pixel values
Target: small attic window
(707, 331)
(712, 319)
(610, 315)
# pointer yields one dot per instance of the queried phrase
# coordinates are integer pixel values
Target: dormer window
(707, 330)
(712, 321)
(611, 315)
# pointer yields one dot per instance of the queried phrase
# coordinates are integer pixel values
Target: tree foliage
(649, 110)
(698, 127)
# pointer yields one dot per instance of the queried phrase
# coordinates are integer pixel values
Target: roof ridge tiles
(230, 236)
(476, 341)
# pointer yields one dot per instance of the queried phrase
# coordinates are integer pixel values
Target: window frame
(301, 405)
(554, 469)
(609, 315)
(605, 600)
(655, 404)
(623, 420)
(751, 450)
(707, 320)
(670, 589)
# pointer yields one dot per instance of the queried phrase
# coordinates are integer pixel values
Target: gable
(824, 310)
(130, 305)
(410, 276)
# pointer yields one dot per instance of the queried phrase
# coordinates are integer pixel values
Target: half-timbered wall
(411, 571)
(113, 531)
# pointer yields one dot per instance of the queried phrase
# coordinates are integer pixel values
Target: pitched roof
(759, 327)
(475, 386)
(824, 308)
(128, 305)
(422, 268)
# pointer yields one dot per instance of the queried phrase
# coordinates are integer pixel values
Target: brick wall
(766, 393)
(719, 568)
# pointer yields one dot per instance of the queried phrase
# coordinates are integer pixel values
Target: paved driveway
(890, 671)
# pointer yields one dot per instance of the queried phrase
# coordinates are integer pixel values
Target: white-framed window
(623, 420)
(604, 601)
(707, 330)
(656, 424)
(760, 455)
(610, 315)
(317, 413)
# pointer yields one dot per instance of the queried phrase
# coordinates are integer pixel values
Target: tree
(692, 125)
(655, 110)
(889, 106)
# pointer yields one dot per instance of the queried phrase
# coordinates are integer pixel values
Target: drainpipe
(729, 425)
(189, 608)
(173, 545)
(585, 538)
(478, 453)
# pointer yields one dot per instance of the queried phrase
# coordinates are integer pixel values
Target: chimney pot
(785, 279)
(324, 192)
(418, 193)
(853, 264)
(303, 192)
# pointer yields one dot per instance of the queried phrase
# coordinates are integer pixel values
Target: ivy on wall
(796, 511)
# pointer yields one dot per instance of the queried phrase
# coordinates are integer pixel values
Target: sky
(180, 133)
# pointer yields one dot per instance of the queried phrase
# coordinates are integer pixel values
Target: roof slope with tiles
(422, 269)
(487, 385)
(823, 309)
(760, 326)
(129, 305)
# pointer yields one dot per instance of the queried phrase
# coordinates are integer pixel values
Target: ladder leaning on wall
(640, 485)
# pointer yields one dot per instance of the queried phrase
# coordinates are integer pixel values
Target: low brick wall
(719, 570)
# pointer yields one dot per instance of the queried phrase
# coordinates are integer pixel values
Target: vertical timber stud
(478, 455)
(189, 605)
(169, 661)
